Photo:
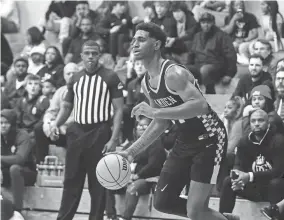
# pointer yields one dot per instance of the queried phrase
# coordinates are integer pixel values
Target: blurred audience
(149, 11)
(258, 170)
(10, 19)
(37, 60)
(17, 164)
(279, 85)
(212, 61)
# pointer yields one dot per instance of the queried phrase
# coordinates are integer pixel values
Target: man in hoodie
(17, 163)
(212, 56)
(257, 76)
(259, 166)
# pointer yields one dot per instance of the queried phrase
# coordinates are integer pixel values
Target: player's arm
(181, 82)
(154, 130)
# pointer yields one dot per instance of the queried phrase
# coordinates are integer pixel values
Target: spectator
(17, 163)
(258, 166)
(264, 48)
(114, 28)
(10, 19)
(272, 23)
(15, 86)
(6, 56)
(34, 37)
(274, 211)
(134, 96)
(58, 20)
(106, 58)
(279, 85)
(37, 60)
(148, 164)
(243, 28)
(212, 55)
(149, 11)
(48, 88)
(232, 119)
(53, 68)
(42, 130)
(82, 10)
(261, 98)
(255, 77)
(186, 28)
(30, 108)
(74, 52)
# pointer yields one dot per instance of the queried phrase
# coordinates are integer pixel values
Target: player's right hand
(54, 133)
(124, 154)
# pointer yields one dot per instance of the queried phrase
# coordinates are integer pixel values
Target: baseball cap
(263, 90)
(38, 49)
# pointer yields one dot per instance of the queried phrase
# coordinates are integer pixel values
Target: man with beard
(258, 170)
(74, 52)
(95, 94)
(255, 77)
(279, 85)
(212, 61)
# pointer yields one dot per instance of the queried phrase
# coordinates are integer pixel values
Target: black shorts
(199, 161)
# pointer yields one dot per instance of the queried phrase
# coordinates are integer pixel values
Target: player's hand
(124, 154)
(134, 177)
(54, 132)
(243, 177)
(110, 146)
(237, 186)
(143, 109)
(226, 80)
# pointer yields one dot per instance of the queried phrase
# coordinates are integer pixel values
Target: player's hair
(265, 42)
(91, 43)
(256, 56)
(154, 31)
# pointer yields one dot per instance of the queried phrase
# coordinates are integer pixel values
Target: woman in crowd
(261, 98)
(272, 23)
(53, 68)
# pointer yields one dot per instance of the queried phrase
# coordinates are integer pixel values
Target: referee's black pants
(85, 144)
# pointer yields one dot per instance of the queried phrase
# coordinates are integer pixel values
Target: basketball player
(201, 145)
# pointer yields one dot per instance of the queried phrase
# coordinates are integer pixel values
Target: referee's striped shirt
(92, 95)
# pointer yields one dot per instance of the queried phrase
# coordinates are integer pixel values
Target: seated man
(211, 60)
(15, 86)
(115, 27)
(259, 166)
(42, 130)
(242, 27)
(148, 164)
(257, 76)
(17, 164)
(87, 33)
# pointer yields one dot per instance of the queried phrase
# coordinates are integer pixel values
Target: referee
(96, 96)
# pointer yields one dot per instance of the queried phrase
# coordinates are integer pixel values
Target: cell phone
(234, 175)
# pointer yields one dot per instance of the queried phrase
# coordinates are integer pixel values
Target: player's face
(142, 45)
(258, 101)
(259, 122)
(90, 56)
(230, 110)
(255, 67)
(279, 83)
(5, 126)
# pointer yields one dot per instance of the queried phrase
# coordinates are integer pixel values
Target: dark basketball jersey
(197, 128)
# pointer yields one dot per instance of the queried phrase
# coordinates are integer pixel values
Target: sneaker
(271, 212)
(230, 216)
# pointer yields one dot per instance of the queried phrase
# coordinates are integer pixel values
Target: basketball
(113, 171)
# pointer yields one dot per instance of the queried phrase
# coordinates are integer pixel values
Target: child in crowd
(36, 60)
(261, 98)
(48, 88)
(32, 106)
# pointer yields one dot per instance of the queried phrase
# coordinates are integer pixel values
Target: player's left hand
(109, 147)
(243, 178)
(143, 109)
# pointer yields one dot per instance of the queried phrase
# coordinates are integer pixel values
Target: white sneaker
(230, 216)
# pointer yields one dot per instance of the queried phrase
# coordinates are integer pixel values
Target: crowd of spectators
(213, 39)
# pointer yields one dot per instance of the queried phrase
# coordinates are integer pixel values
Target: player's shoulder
(178, 72)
